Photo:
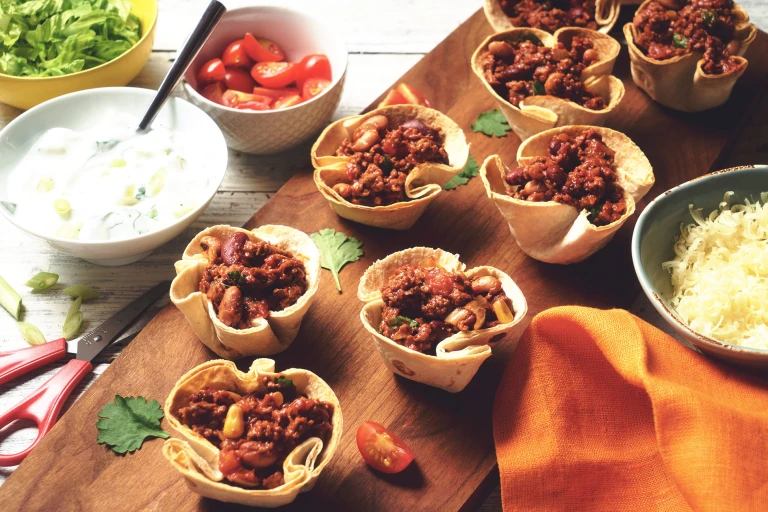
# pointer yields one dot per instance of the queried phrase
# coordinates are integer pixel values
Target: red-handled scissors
(43, 406)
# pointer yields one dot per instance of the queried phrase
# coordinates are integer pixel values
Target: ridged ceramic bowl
(653, 242)
(299, 35)
(26, 92)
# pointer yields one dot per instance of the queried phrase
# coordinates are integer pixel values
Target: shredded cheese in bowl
(720, 273)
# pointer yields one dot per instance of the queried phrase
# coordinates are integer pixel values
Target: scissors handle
(43, 406)
(18, 362)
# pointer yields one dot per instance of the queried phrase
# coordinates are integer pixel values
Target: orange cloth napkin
(598, 410)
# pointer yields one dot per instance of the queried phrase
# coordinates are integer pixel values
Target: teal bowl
(653, 241)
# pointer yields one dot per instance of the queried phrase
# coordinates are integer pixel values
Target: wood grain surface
(451, 434)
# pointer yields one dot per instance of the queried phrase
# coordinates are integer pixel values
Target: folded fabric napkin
(598, 410)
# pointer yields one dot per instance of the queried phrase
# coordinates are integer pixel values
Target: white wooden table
(384, 40)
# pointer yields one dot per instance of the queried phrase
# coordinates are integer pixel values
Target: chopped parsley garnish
(709, 17)
(532, 38)
(386, 164)
(538, 88)
(679, 41)
(593, 213)
(235, 276)
(284, 381)
(402, 320)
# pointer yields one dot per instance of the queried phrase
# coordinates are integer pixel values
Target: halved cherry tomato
(412, 95)
(381, 449)
(234, 98)
(262, 50)
(274, 74)
(252, 105)
(392, 98)
(234, 55)
(214, 92)
(239, 80)
(287, 101)
(314, 66)
(211, 71)
(276, 93)
(314, 86)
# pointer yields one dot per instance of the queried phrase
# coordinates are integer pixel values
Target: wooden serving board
(450, 433)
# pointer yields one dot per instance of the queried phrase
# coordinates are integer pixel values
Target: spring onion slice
(9, 299)
(74, 320)
(81, 291)
(30, 333)
(42, 280)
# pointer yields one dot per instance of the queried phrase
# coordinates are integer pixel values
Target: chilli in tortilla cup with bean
(551, 15)
(571, 190)
(432, 320)
(541, 80)
(257, 438)
(687, 54)
(385, 167)
(245, 292)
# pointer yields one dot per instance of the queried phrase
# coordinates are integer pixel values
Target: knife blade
(102, 336)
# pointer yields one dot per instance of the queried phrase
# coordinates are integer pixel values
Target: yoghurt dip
(107, 182)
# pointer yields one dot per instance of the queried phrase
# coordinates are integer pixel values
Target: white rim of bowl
(334, 81)
(117, 90)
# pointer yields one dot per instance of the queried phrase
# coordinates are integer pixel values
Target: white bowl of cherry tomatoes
(271, 77)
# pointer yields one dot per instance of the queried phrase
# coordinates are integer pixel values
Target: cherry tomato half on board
(314, 86)
(239, 80)
(262, 50)
(314, 66)
(274, 74)
(211, 71)
(234, 55)
(381, 449)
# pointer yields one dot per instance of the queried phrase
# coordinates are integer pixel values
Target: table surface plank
(376, 60)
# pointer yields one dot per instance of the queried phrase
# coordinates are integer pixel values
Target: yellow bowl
(26, 92)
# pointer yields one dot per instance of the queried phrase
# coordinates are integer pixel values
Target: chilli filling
(381, 157)
(578, 171)
(550, 15)
(525, 67)
(424, 305)
(245, 280)
(256, 432)
(668, 28)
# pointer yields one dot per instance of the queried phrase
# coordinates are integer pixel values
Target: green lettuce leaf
(59, 37)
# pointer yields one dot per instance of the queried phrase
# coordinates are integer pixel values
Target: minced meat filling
(523, 68)
(578, 171)
(245, 280)
(383, 156)
(550, 15)
(264, 427)
(667, 28)
(425, 305)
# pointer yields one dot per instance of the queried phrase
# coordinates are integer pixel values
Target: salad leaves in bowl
(52, 47)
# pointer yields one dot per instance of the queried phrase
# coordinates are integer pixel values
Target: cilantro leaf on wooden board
(128, 421)
(336, 250)
(491, 123)
(467, 173)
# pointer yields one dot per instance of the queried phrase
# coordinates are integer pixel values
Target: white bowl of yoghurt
(74, 172)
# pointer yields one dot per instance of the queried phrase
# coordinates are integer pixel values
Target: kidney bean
(232, 248)
(231, 307)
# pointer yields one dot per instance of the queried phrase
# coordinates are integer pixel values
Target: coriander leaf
(491, 123)
(679, 41)
(708, 17)
(401, 320)
(282, 380)
(538, 88)
(235, 276)
(336, 250)
(532, 38)
(127, 422)
(462, 178)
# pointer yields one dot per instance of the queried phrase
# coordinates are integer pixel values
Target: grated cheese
(720, 273)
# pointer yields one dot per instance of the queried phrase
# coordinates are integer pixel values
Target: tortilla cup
(267, 336)
(680, 82)
(423, 184)
(538, 113)
(197, 459)
(558, 233)
(459, 356)
(606, 14)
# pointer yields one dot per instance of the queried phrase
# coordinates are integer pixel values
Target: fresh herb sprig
(336, 250)
(127, 422)
(469, 171)
(491, 123)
